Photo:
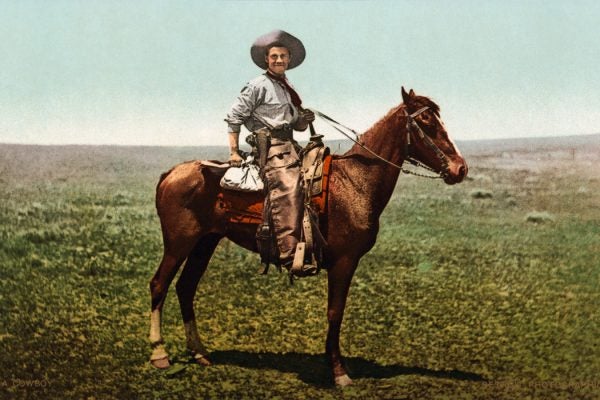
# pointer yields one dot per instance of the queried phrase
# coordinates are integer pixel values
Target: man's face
(278, 60)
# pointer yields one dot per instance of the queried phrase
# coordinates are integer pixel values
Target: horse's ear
(405, 96)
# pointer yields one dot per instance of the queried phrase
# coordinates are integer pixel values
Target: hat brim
(292, 43)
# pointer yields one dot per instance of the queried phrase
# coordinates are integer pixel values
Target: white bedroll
(244, 179)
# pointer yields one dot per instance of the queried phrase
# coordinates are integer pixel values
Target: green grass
(462, 296)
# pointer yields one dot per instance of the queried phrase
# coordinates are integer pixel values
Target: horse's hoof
(161, 363)
(343, 380)
(202, 360)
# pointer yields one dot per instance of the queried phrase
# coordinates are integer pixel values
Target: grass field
(487, 289)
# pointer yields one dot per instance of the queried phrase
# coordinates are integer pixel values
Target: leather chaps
(285, 196)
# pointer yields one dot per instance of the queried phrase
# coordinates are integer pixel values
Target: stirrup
(303, 272)
(299, 269)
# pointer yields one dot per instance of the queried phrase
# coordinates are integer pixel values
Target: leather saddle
(247, 207)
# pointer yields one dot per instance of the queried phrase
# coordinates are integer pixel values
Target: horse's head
(427, 139)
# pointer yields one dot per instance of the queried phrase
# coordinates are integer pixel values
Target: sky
(166, 72)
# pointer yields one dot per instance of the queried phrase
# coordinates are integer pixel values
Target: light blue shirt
(262, 103)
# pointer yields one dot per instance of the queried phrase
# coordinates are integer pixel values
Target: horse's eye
(426, 118)
(428, 124)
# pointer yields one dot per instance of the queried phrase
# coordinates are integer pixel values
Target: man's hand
(308, 116)
(305, 118)
(235, 160)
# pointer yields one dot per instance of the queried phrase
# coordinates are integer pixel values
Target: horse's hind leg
(159, 286)
(186, 289)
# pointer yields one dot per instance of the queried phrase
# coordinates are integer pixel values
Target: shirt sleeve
(242, 108)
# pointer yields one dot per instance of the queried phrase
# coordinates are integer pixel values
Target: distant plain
(487, 289)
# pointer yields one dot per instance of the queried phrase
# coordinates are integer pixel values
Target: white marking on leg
(158, 353)
(155, 321)
(156, 340)
(343, 380)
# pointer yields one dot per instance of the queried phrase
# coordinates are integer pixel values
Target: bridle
(411, 126)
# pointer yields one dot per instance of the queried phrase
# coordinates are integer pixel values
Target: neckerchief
(296, 101)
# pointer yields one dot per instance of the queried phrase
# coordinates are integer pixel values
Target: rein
(410, 125)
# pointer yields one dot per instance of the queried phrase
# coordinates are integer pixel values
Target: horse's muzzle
(457, 171)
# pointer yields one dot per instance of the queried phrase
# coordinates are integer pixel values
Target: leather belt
(285, 133)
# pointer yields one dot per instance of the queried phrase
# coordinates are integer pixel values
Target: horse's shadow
(313, 369)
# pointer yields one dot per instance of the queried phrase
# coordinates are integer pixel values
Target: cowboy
(270, 108)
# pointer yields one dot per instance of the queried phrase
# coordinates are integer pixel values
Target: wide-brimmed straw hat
(292, 43)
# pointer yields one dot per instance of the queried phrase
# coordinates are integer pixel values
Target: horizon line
(336, 140)
(105, 145)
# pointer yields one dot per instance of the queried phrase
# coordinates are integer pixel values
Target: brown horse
(360, 187)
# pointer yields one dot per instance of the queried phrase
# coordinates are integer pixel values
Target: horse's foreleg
(186, 290)
(339, 277)
(159, 286)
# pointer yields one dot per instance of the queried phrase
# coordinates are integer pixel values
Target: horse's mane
(382, 125)
(390, 121)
